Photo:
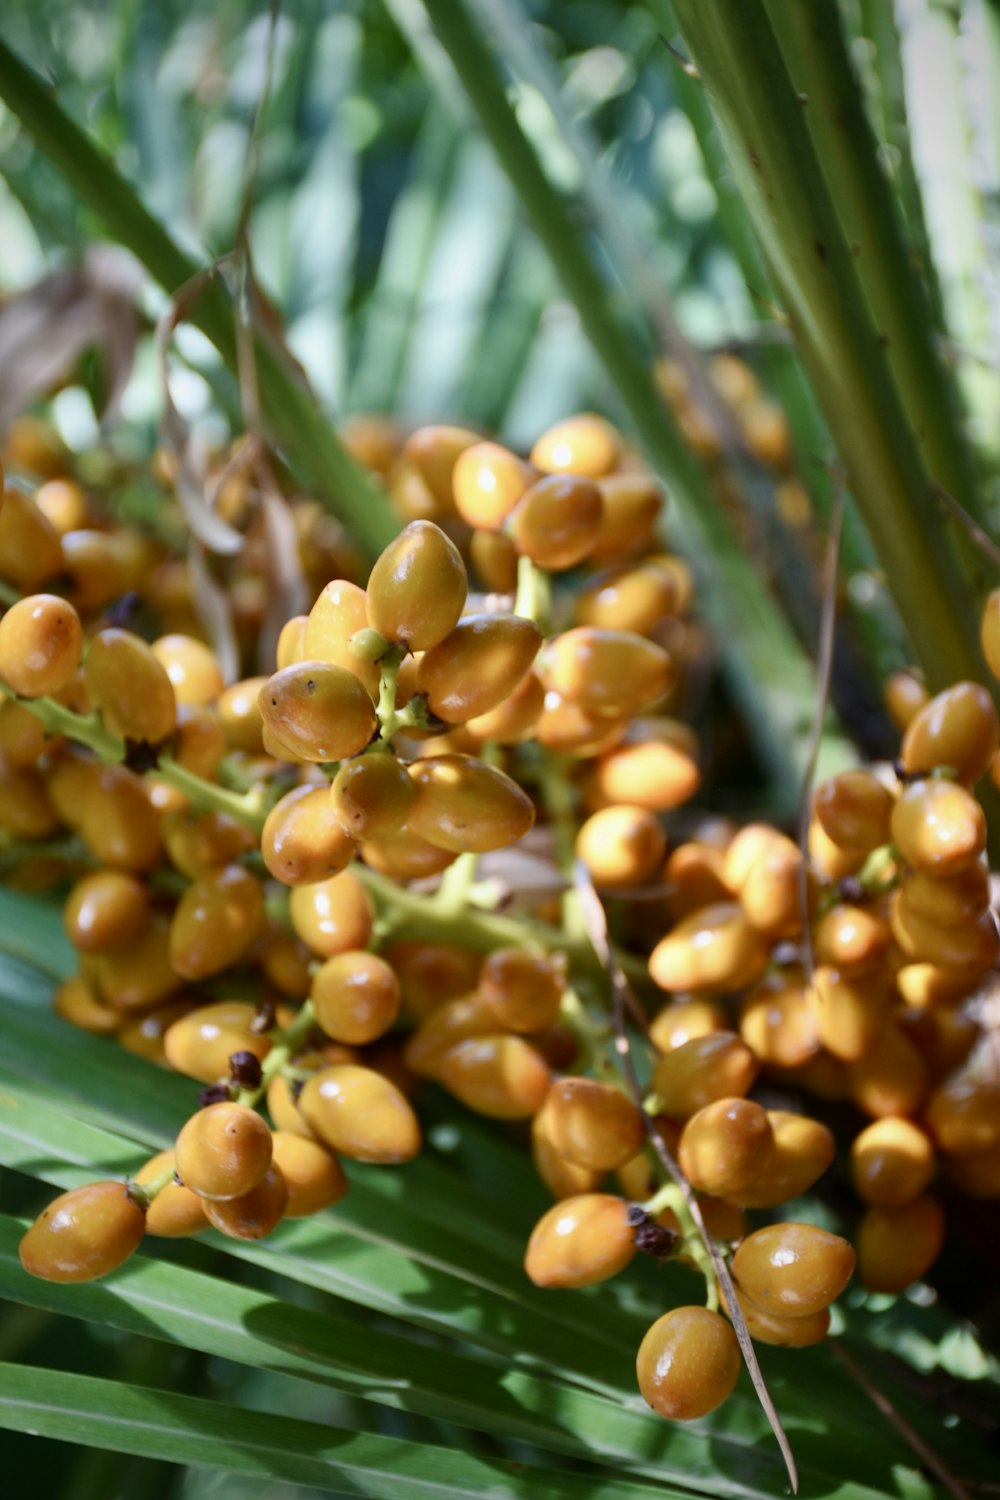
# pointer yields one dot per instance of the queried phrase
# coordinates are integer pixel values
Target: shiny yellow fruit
(580, 1241)
(802, 1150)
(254, 1214)
(77, 1004)
(191, 666)
(892, 1161)
(175, 1212)
(200, 1043)
(726, 1146)
(777, 1022)
(41, 639)
(852, 938)
(463, 804)
(631, 509)
(680, 1021)
(216, 920)
(304, 840)
(198, 843)
(318, 711)
(562, 1178)
(786, 1333)
(338, 614)
(714, 949)
(629, 598)
(313, 1177)
(622, 846)
(104, 910)
(688, 1363)
(716, 1066)
(503, 1077)
(223, 1151)
(557, 521)
(417, 588)
(359, 1113)
(792, 1270)
(487, 482)
(990, 632)
(129, 687)
(356, 997)
(516, 718)
(850, 1011)
(119, 824)
(593, 1124)
(333, 915)
(608, 672)
(938, 826)
(897, 1246)
(585, 444)
(138, 973)
(433, 451)
(522, 989)
(958, 729)
(83, 1234)
(31, 551)
(855, 810)
(404, 855)
(477, 666)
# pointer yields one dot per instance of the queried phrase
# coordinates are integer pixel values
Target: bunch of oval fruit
(275, 888)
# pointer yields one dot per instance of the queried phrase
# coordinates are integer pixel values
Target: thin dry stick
(622, 998)
(678, 56)
(824, 670)
(205, 523)
(984, 542)
(909, 1434)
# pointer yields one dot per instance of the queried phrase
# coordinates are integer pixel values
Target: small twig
(598, 932)
(909, 1434)
(776, 312)
(686, 64)
(206, 524)
(824, 671)
(987, 546)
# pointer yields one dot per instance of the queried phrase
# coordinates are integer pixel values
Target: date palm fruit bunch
(279, 886)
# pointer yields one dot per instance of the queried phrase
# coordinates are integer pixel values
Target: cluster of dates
(272, 891)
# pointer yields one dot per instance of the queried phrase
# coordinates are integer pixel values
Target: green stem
(286, 1044)
(672, 1197)
(775, 163)
(452, 895)
(767, 668)
(85, 729)
(811, 39)
(245, 807)
(143, 1193)
(878, 24)
(938, 101)
(8, 594)
(392, 720)
(533, 598)
(290, 411)
(593, 1036)
(407, 914)
(560, 804)
(876, 621)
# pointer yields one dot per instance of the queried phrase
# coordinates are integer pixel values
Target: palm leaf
(553, 1369)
